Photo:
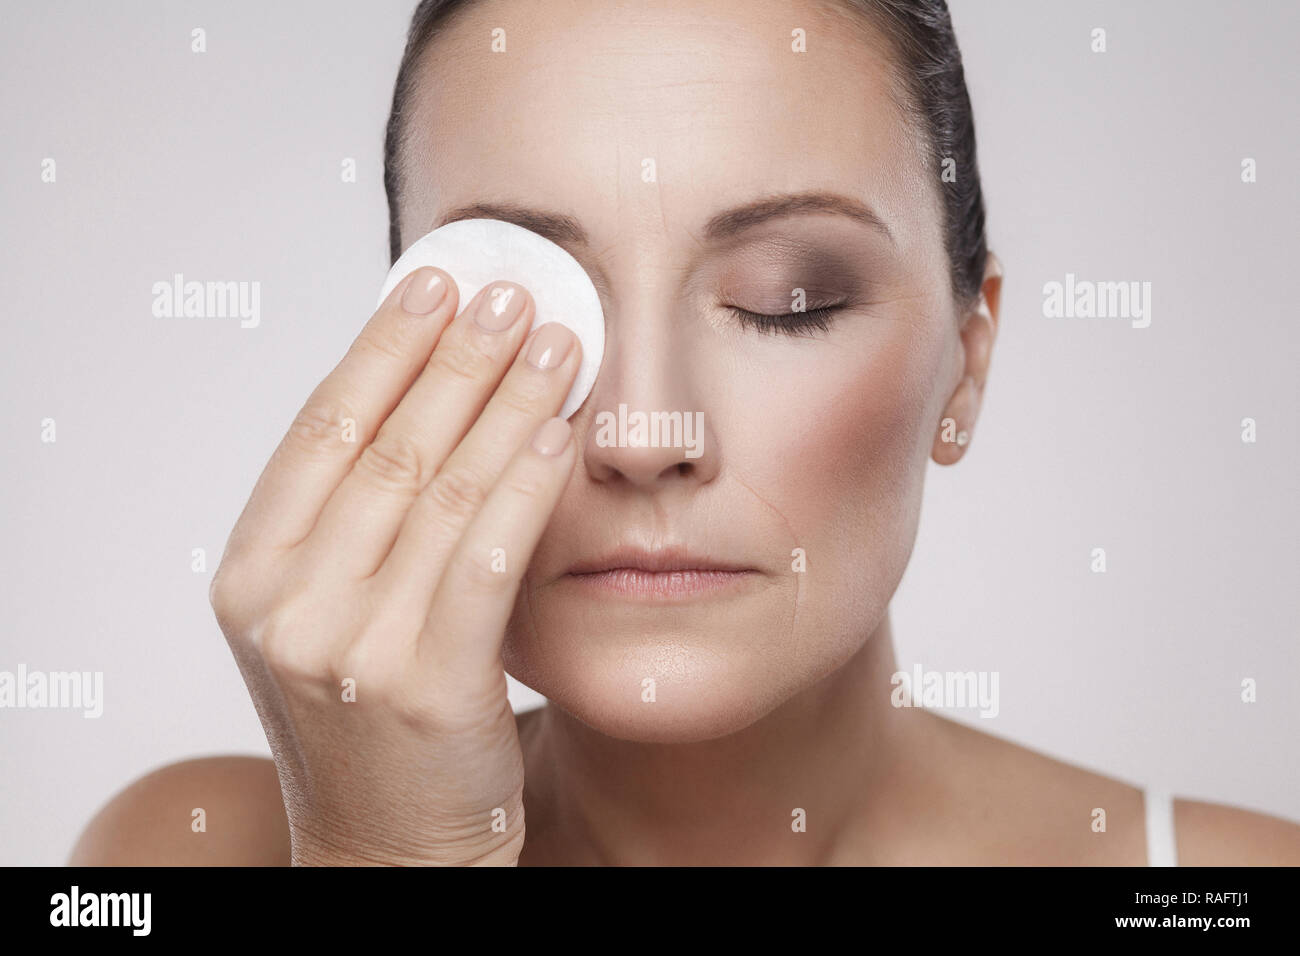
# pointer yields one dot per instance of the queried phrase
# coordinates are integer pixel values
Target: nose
(649, 430)
(646, 448)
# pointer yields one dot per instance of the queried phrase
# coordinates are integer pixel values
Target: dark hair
(921, 34)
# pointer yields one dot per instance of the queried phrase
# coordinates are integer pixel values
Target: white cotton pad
(476, 252)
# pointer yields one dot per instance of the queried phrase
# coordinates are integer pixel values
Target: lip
(671, 573)
(674, 558)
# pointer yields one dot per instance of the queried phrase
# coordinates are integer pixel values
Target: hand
(366, 587)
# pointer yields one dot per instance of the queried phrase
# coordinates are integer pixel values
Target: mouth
(663, 575)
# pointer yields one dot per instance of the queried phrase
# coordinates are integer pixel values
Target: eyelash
(808, 322)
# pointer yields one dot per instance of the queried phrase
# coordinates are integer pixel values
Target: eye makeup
(759, 286)
(807, 322)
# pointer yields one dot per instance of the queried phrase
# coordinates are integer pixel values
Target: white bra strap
(1161, 848)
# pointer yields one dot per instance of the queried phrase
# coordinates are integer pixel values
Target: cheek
(838, 424)
(835, 437)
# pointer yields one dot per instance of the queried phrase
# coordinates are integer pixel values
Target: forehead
(641, 118)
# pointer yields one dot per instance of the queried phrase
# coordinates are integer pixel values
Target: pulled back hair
(936, 101)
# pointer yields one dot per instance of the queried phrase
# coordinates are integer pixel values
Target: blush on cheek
(834, 449)
(836, 432)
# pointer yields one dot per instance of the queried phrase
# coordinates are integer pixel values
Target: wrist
(310, 851)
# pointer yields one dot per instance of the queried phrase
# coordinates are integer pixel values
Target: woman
(780, 206)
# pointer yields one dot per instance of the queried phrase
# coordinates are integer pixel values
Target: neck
(828, 751)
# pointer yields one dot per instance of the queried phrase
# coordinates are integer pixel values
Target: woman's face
(653, 128)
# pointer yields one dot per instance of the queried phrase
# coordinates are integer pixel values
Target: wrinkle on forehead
(711, 90)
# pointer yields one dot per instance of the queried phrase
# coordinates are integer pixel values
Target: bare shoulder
(1043, 810)
(154, 821)
(1213, 834)
(1012, 805)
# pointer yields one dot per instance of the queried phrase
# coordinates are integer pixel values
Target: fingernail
(550, 346)
(499, 306)
(424, 292)
(551, 437)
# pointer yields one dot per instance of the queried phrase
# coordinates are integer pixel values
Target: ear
(979, 327)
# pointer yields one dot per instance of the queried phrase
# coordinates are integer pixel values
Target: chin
(699, 692)
(717, 666)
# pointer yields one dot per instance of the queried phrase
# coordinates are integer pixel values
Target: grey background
(226, 165)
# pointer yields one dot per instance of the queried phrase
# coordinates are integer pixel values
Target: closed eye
(808, 322)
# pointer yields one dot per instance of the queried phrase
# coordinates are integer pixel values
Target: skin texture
(775, 695)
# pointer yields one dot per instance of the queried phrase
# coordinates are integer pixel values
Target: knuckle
(319, 425)
(383, 341)
(289, 649)
(478, 575)
(525, 487)
(362, 663)
(464, 360)
(395, 460)
(222, 591)
(418, 708)
(229, 594)
(457, 491)
(521, 402)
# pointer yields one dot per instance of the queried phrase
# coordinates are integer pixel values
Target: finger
(358, 524)
(532, 391)
(344, 411)
(466, 621)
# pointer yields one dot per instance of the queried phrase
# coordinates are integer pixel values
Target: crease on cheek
(798, 583)
(867, 426)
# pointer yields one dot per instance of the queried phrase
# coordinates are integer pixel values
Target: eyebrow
(732, 222)
(557, 227)
(566, 230)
